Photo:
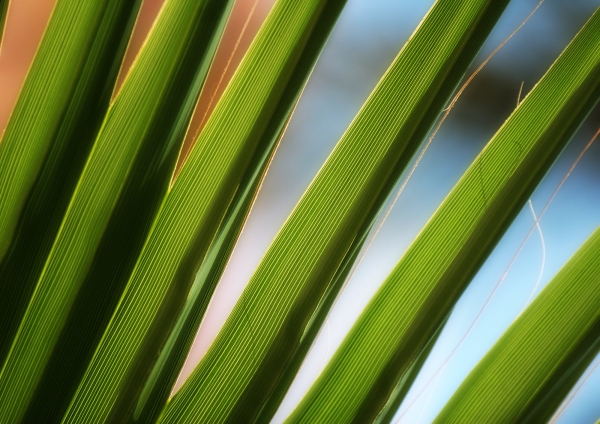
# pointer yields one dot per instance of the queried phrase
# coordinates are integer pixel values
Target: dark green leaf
(109, 215)
(3, 12)
(200, 218)
(49, 135)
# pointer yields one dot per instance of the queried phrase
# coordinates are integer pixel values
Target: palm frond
(116, 198)
(418, 295)
(48, 137)
(262, 333)
(537, 361)
(206, 206)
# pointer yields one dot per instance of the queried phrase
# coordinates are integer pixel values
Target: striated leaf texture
(531, 369)
(48, 137)
(419, 293)
(116, 198)
(199, 220)
(404, 384)
(262, 335)
(172, 356)
(311, 331)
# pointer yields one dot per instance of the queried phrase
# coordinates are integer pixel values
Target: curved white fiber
(539, 279)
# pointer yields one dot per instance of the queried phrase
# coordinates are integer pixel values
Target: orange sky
(27, 19)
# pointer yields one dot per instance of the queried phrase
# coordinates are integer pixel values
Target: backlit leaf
(116, 198)
(529, 371)
(419, 293)
(263, 333)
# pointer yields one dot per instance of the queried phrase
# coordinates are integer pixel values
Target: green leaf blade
(274, 399)
(423, 287)
(397, 395)
(244, 363)
(48, 88)
(129, 168)
(168, 365)
(191, 216)
(529, 371)
(52, 129)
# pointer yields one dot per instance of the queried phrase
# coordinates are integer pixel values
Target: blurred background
(367, 37)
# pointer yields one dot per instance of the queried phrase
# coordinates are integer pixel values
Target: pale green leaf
(263, 333)
(529, 371)
(419, 293)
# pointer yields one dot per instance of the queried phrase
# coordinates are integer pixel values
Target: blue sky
(367, 37)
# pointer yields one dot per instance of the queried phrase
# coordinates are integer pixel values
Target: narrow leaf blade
(423, 287)
(3, 13)
(534, 365)
(49, 135)
(117, 196)
(172, 356)
(263, 333)
(239, 134)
